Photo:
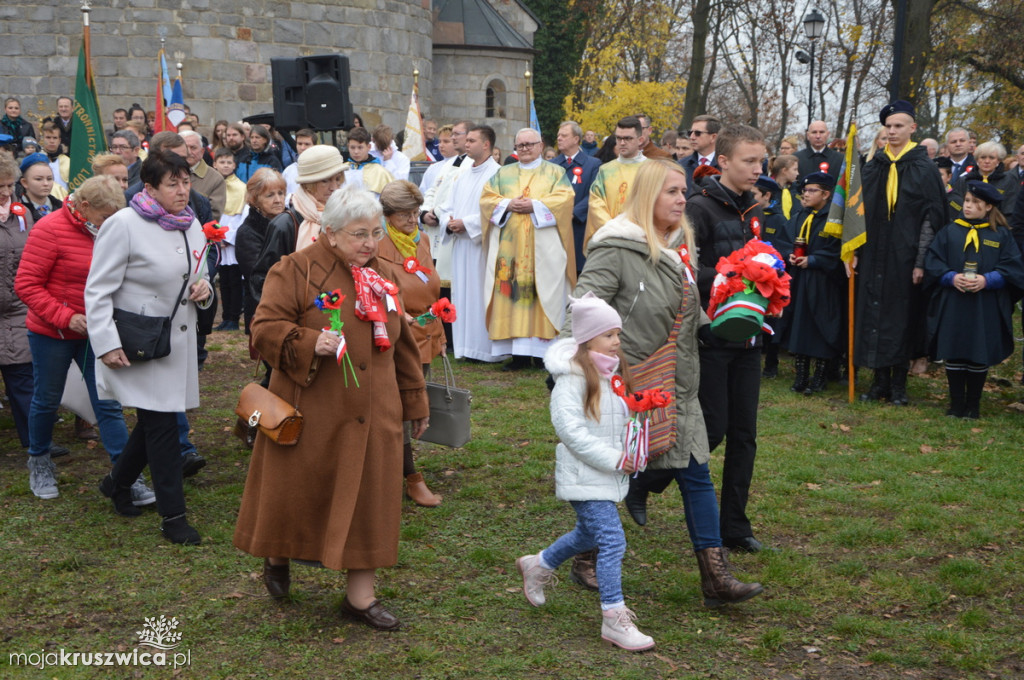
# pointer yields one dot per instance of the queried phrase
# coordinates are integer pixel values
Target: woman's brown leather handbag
(261, 410)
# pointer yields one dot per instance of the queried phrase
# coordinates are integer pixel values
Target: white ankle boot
(535, 577)
(617, 628)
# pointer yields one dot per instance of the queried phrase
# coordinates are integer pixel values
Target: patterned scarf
(375, 297)
(892, 185)
(14, 128)
(147, 206)
(78, 218)
(405, 243)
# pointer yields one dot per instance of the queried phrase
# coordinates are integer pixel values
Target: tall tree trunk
(695, 80)
(916, 47)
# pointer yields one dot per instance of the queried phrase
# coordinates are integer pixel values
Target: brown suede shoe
(85, 430)
(584, 569)
(277, 579)
(375, 616)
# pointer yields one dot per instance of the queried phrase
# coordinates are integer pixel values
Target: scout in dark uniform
(976, 269)
(905, 203)
(769, 194)
(816, 314)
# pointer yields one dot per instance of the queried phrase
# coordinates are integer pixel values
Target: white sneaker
(535, 577)
(42, 476)
(617, 628)
(142, 494)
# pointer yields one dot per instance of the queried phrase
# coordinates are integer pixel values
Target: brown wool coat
(336, 496)
(416, 295)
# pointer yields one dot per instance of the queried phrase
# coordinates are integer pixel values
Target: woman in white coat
(146, 261)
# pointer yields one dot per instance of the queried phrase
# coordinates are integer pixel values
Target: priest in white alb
(459, 221)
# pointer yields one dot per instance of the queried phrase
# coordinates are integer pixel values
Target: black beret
(985, 192)
(898, 106)
(767, 183)
(822, 179)
(944, 162)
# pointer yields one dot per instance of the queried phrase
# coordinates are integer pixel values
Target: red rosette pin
(619, 385)
(17, 209)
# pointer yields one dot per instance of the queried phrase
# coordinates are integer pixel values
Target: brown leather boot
(416, 489)
(277, 579)
(584, 569)
(717, 582)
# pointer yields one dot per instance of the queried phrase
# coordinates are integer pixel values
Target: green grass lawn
(899, 536)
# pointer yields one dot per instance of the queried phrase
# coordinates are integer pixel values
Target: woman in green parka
(640, 264)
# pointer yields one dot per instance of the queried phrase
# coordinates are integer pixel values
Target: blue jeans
(187, 447)
(51, 360)
(699, 502)
(597, 526)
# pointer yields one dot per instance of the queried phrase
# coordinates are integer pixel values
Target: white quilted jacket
(589, 451)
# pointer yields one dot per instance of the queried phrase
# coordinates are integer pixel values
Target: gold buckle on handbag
(254, 419)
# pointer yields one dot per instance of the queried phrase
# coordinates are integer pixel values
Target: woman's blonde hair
(102, 161)
(261, 181)
(639, 206)
(102, 192)
(592, 396)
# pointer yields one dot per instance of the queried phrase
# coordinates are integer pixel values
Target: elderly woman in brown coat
(335, 498)
(408, 251)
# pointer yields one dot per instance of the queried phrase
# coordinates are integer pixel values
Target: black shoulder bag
(149, 337)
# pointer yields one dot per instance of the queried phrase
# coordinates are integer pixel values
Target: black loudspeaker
(311, 92)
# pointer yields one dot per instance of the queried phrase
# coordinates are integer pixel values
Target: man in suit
(958, 142)
(581, 168)
(63, 120)
(816, 156)
(703, 134)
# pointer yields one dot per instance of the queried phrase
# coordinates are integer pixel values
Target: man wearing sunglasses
(703, 134)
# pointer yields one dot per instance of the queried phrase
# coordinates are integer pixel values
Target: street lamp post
(814, 26)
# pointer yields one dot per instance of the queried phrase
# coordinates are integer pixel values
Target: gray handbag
(449, 411)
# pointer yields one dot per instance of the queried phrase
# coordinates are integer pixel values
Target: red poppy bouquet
(443, 309)
(330, 304)
(214, 234)
(641, 404)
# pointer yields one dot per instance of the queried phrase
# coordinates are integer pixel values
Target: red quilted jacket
(51, 276)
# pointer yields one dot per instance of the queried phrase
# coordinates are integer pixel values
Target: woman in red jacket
(51, 282)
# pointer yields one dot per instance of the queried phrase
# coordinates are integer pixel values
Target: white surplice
(469, 332)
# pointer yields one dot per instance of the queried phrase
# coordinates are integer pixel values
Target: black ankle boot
(177, 530)
(121, 496)
(802, 364)
(819, 381)
(899, 386)
(881, 388)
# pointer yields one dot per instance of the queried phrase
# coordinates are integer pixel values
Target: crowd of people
(594, 258)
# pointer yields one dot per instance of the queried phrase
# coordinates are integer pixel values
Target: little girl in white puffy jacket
(591, 467)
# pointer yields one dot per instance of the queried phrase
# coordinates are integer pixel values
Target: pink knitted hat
(591, 316)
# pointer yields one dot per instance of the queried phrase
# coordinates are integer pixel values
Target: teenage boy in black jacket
(724, 216)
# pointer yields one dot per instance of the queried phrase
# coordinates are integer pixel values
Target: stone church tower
(471, 54)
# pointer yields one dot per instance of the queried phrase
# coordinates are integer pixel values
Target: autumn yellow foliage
(661, 101)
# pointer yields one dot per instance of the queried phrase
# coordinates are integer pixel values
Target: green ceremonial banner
(846, 215)
(88, 138)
